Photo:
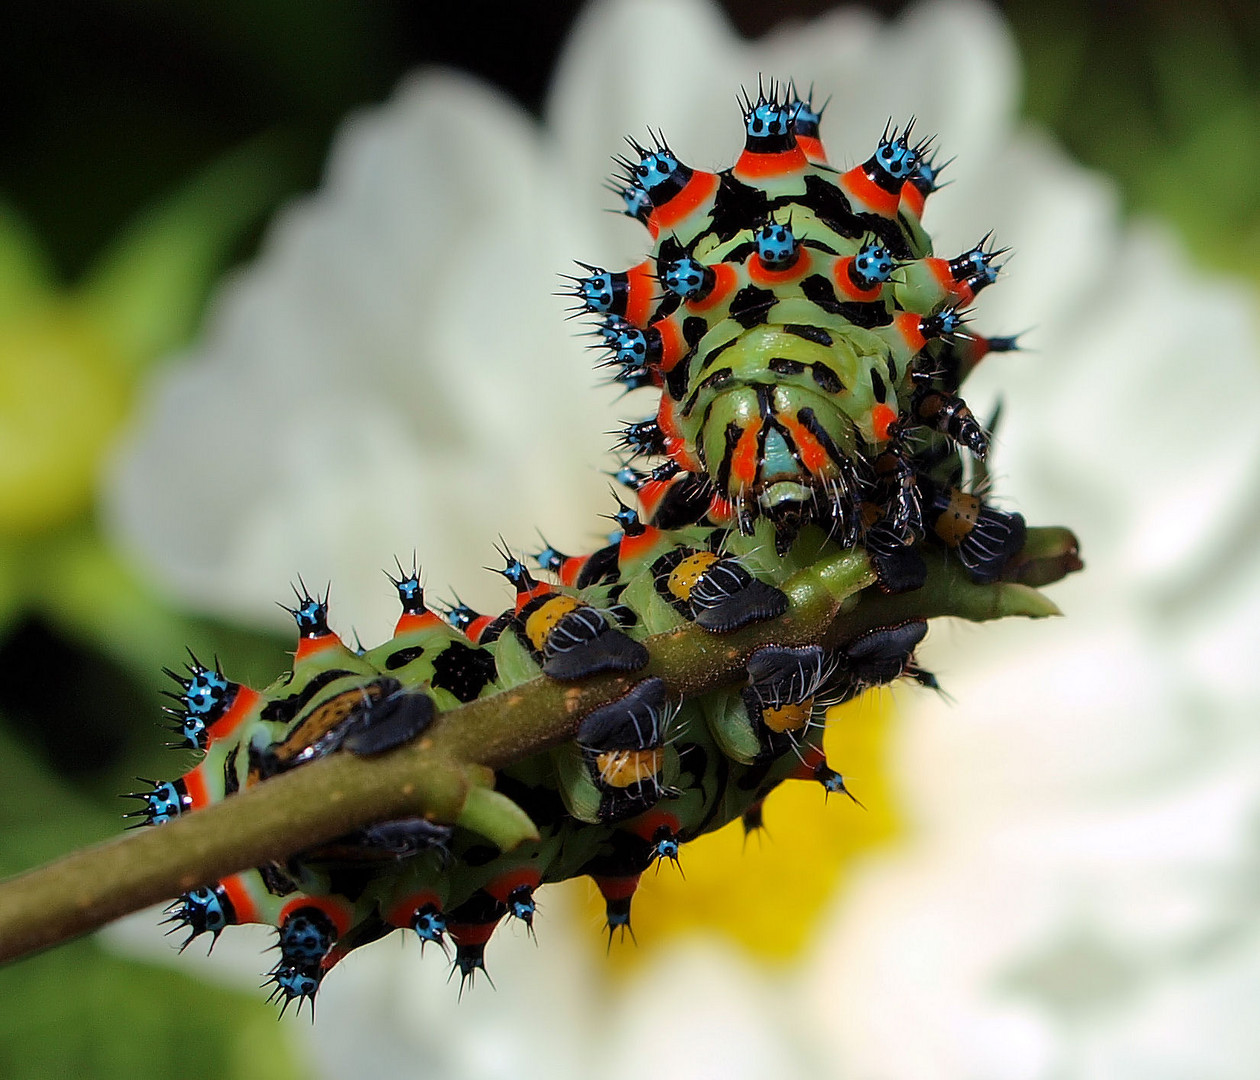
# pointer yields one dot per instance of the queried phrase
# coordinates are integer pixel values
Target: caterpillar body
(808, 348)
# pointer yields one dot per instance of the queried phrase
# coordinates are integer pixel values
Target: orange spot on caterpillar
(813, 456)
(400, 914)
(844, 281)
(242, 902)
(907, 324)
(673, 347)
(762, 274)
(701, 186)
(409, 621)
(242, 705)
(197, 787)
(812, 148)
(725, 278)
(339, 914)
(869, 193)
(881, 417)
(744, 459)
(642, 293)
(912, 200)
(313, 646)
(754, 166)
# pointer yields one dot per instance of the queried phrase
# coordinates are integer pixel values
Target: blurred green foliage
(1164, 96)
(143, 146)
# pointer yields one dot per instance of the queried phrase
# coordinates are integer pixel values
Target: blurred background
(144, 147)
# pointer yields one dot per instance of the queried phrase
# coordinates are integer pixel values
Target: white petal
(393, 374)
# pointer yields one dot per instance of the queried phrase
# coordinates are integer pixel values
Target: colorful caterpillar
(808, 350)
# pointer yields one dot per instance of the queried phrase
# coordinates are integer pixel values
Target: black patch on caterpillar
(582, 643)
(623, 615)
(878, 387)
(479, 855)
(889, 233)
(386, 841)
(819, 290)
(495, 628)
(827, 380)
(678, 376)
(543, 804)
(619, 724)
(732, 433)
(350, 881)
(403, 657)
(751, 305)
(685, 503)
(831, 206)
(781, 365)
(670, 250)
(477, 910)
(809, 421)
(463, 670)
(816, 334)
(717, 540)
(600, 569)
(694, 328)
(277, 879)
(865, 315)
(714, 381)
(262, 762)
(727, 597)
(754, 775)
(735, 206)
(231, 782)
(627, 855)
(283, 710)
(693, 762)
(669, 303)
(765, 407)
(723, 777)
(901, 571)
(717, 350)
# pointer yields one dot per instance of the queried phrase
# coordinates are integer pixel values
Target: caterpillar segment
(807, 348)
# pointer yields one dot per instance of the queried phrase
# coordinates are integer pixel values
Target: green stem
(443, 775)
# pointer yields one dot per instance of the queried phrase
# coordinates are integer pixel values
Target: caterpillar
(807, 350)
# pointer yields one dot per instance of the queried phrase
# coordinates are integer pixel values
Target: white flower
(1077, 892)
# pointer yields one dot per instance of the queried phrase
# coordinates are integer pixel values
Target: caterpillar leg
(582, 643)
(390, 722)
(948, 413)
(775, 711)
(983, 537)
(618, 769)
(717, 594)
(876, 658)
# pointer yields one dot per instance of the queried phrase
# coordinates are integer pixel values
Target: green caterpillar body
(808, 350)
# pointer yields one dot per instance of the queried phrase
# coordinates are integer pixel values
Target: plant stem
(830, 602)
